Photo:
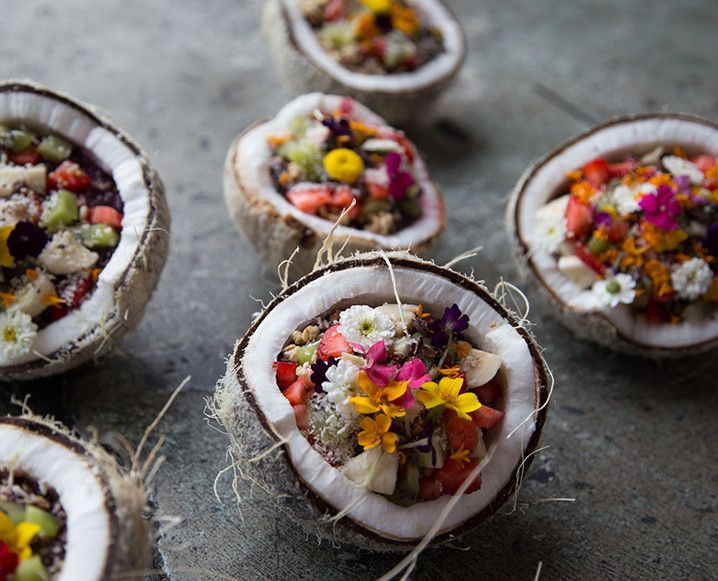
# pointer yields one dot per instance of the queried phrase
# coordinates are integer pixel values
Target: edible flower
(18, 537)
(7, 299)
(446, 393)
(6, 258)
(614, 291)
(692, 279)
(365, 325)
(339, 126)
(26, 239)
(422, 314)
(343, 165)
(399, 180)
(17, 333)
(379, 398)
(661, 209)
(414, 372)
(450, 371)
(452, 322)
(378, 6)
(319, 371)
(404, 19)
(375, 432)
(375, 368)
(461, 455)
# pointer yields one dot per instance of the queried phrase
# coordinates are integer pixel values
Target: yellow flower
(662, 240)
(343, 165)
(660, 277)
(461, 455)
(6, 259)
(583, 191)
(404, 19)
(446, 392)
(375, 432)
(18, 537)
(378, 6)
(419, 312)
(449, 371)
(379, 398)
(6, 299)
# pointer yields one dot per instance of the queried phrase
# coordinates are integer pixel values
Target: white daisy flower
(682, 167)
(626, 198)
(17, 333)
(552, 233)
(364, 325)
(613, 291)
(692, 279)
(341, 384)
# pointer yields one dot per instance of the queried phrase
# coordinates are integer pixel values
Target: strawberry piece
(57, 312)
(618, 170)
(429, 488)
(355, 212)
(379, 47)
(334, 10)
(486, 417)
(596, 171)
(587, 257)
(301, 415)
(342, 197)
(105, 215)
(461, 433)
(69, 176)
(74, 289)
(309, 200)
(489, 392)
(377, 191)
(286, 373)
(9, 561)
(346, 106)
(579, 217)
(333, 344)
(705, 162)
(28, 157)
(656, 313)
(617, 230)
(296, 392)
(453, 473)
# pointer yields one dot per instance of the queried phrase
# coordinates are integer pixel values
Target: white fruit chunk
(479, 452)
(65, 254)
(480, 367)
(373, 469)
(32, 298)
(575, 269)
(11, 176)
(554, 209)
(13, 211)
(395, 313)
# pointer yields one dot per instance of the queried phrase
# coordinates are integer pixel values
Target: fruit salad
(395, 397)
(329, 160)
(640, 232)
(375, 37)
(33, 531)
(60, 221)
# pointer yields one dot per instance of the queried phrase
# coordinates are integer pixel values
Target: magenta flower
(399, 180)
(661, 209)
(379, 373)
(414, 372)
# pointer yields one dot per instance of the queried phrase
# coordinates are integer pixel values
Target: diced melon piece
(373, 469)
(60, 211)
(49, 523)
(54, 148)
(554, 209)
(11, 177)
(32, 298)
(480, 367)
(575, 269)
(31, 569)
(14, 510)
(13, 211)
(65, 254)
(479, 450)
(99, 236)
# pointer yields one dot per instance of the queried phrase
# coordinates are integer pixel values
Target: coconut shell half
(276, 227)
(106, 532)
(305, 66)
(126, 283)
(616, 328)
(305, 487)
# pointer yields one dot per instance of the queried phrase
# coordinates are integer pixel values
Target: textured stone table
(632, 441)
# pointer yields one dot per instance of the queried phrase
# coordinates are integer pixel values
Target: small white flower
(364, 325)
(17, 333)
(552, 233)
(613, 291)
(626, 198)
(682, 167)
(692, 279)
(341, 384)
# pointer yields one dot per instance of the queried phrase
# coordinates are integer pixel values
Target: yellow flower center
(9, 334)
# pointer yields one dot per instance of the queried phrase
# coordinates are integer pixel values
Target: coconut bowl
(126, 283)
(616, 328)
(305, 66)
(305, 487)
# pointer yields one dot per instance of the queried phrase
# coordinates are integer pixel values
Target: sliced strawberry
(461, 433)
(486, 417)
(453, 473)
(28, 157)
(342, 197)
(74, 289)
(57, 312)
(489, 392)
(587, 257)
(346, 106)
(579, 217)
(334, 10)
(705, 162)
(618, 170)
(105, 215)
(429, 488)
(309, 200)
(656, 313)
(296, 392)
(377, 191)
(286, 373)
(596, 171)
(333, 344)
(69, 176)
(301, 414)
(617, 230)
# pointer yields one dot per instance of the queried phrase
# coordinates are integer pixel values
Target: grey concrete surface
(633, 442)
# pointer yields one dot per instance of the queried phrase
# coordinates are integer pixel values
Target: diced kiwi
(337, 34)
(306, 155)
(14, 510)
(598, 245)
(21, 140)
(410, 208)
(31, 569)
(49, 523)
(98, 236)
(305, 353)
(54, 148)
(62, 213)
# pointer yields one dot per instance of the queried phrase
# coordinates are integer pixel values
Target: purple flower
(25, 240)
(414, 372)
(338, 127)
(427, 433)
(319, 372)
(661, 209)
(711, 239)
(603, 218)
(375, 356)
(683, 183)
(453, 321)
(399, 180)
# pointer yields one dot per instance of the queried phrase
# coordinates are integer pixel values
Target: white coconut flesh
(91, 529)
(46, 113)
(442, 66)
(489, 330)
(252, 162)
(548, 179)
